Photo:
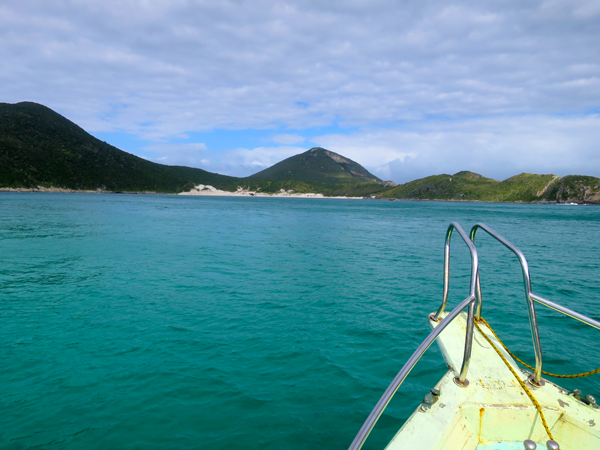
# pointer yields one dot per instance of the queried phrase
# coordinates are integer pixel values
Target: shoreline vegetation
(219, 193)
(42, 151)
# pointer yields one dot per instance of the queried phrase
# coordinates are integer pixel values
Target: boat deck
(507, 446)
(493, 412)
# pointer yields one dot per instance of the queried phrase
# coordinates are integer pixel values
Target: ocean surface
(155, 321)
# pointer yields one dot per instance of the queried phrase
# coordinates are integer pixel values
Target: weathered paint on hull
(493, 412)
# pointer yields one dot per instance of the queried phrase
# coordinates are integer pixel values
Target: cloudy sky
(405, 88)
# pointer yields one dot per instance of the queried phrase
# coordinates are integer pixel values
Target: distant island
(40, 150)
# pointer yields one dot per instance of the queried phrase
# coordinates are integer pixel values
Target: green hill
(323, 170)
(470, 186)
(526, 187)
(39, 147)
(460, 186)
(316, 166)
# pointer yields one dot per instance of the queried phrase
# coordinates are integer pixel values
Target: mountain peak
(467, 174)
(318, 166)
(335, 156)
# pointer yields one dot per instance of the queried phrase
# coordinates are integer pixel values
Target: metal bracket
(462, 384)
(531, 382)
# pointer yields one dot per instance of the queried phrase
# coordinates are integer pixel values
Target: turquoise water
(147, 322)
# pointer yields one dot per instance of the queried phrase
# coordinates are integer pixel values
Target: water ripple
(168, 322)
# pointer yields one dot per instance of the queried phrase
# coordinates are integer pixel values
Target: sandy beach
(203, 189)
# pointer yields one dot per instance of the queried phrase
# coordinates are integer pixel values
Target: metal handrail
(365, 430)
(531, 297)
(473, 251)
(472, 292)
(535, 334)
(566, 311)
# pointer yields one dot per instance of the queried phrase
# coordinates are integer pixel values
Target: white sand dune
(203, 189)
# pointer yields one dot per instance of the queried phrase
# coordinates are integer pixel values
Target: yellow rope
(577, 375)
(518, 378)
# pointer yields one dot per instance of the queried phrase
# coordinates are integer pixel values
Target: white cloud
(242, 162)
(497, 148)
(189, 66)
(498, 86)
(193, 154)
(287, 139)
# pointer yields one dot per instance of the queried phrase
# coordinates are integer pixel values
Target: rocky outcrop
(575, 189)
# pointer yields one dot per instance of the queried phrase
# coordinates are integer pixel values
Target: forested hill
(39, 147)
(329, 172)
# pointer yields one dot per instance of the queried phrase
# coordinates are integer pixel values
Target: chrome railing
(365, 430)
(566, 311)
(473, 311)
(462, 378)
(535, 334)
(530, 297)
